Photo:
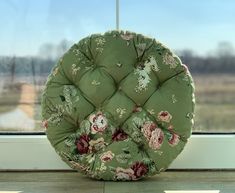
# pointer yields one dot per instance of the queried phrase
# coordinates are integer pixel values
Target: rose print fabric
(118, 106)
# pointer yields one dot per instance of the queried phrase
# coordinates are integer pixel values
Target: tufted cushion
(118, 106)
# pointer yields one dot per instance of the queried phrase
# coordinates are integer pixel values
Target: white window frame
(29, 152)
(34, 152)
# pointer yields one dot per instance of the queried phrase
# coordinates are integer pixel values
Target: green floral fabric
(118, 106)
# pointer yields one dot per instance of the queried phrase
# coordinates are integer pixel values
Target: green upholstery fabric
(118, 106)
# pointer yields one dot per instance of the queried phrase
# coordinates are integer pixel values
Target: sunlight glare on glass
(11, 191)
(191, 191)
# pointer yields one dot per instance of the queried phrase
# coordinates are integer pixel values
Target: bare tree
(47, 51)
(12, 69)
(54, 51)
(62, 47)
(225, 49)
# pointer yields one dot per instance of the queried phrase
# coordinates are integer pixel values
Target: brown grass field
(215, 103)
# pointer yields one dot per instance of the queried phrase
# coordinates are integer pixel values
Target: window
(35, 34)
(201, 33)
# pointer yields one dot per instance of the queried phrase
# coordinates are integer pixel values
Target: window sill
(28, 152)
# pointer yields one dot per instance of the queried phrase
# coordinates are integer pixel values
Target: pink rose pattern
(107, 156)
(148, 128)
(98, 122)
(156, 139)
(135, 172)
(84, 144)
(164, 116)
(124, 174)
(153, 134)
(173, 138)
(140, 169)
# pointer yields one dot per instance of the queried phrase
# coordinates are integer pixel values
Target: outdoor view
(34, 34)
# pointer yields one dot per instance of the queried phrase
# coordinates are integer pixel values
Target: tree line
(221, 61)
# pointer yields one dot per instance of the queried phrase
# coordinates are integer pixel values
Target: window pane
(33, 35)
(202, 34)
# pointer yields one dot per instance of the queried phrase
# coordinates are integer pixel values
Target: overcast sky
(193, 24)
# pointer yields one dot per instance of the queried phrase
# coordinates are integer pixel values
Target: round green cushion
(118, 106)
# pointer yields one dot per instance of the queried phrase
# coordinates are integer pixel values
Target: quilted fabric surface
(118, 106)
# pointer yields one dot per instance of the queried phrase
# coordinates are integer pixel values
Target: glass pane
(202, 34)
(33, 35)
